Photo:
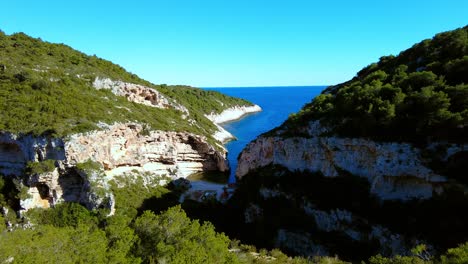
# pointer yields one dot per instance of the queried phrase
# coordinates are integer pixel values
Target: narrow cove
(277, 104)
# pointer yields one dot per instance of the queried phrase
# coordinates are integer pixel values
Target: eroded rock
(396, 171)
(118, 148)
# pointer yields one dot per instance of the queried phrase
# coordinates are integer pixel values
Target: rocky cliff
(118, 148)
(396, 171)
(352, 196)
(121, 148)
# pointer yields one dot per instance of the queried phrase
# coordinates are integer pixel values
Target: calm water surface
(277, 104)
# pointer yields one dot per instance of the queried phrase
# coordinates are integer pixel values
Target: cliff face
(352, 196)
(118, 148)
(396, 171)
(125, 147)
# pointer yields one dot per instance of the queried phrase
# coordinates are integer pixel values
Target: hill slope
(48, 88)
(373, 165)
(60, 108)
(421, 94)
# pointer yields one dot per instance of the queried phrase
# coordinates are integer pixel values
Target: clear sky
(236, 42)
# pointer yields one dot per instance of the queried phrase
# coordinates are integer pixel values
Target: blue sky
(236, 43)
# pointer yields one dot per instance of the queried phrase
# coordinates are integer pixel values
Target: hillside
(48, 88)
(375, 165)
(86, 154)
(420, 95)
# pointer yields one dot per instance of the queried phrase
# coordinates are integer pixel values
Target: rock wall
(118, 148)
(126, 147)
(15, 151)
(395, 170)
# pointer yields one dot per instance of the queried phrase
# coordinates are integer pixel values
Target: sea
(277, 104)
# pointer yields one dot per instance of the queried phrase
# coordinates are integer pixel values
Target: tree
(49, 244)
(172, 237)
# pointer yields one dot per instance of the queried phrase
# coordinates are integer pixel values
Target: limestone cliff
(394, 170)
(352, 196)
(118, 148)
(125, 147)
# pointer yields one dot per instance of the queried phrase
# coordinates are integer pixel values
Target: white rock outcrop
(138, 93)
(394, 170)
(233, 113)
(228, 115)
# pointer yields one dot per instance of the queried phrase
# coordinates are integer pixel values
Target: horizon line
(263, 86)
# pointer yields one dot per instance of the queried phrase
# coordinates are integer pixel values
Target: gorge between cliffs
(95, 159)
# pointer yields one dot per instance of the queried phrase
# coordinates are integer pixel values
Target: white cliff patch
(228, 115)
(138, 93)
(233, 113)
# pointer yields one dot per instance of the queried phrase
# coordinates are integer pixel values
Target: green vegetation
(173, 238)
(69, 233)
(47, 88)
(89, 166)
(422, 94)
(456, 255)
(202, 101)
(38, 167)
(131, 192)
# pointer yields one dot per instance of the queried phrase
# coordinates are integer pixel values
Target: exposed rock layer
(128, 146)
(119, 148)
(395, 170)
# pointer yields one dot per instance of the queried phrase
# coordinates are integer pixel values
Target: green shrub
(89, 166)
(38, 167)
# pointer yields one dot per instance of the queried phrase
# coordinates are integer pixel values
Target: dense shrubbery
(419, 95)
(46, 88)
(69, 233)
(202, 100)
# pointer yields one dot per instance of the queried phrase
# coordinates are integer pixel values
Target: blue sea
(277, 104)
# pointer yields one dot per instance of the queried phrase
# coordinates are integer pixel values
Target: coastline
(229, 115)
